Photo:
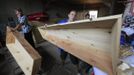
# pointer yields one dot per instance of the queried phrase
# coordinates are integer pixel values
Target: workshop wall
(28, 6)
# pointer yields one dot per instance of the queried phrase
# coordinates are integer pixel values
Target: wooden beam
(25, 55)
(95, 42)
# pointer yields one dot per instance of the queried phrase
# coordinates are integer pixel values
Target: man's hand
(12, 29)
(45, 25)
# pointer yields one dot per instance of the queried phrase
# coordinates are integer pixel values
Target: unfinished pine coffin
(95, 42)
(36, 34)
(25, 55)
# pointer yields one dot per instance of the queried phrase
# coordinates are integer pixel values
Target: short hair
(19, 9)
(72, 10)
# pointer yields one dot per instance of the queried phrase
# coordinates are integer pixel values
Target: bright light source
(93, 14)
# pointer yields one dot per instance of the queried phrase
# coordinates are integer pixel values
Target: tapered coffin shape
(25, 55)
(95, 42)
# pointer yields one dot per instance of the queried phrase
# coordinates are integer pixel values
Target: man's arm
(16, 28)
(21, 23)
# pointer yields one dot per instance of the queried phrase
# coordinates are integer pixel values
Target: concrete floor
(51, 64)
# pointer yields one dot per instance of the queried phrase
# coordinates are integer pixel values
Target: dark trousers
(73, 59)
(28, 36)
(132, 40)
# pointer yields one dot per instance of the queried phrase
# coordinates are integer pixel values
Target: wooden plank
(95, 42)
(115, 46)
(25, 55)
(105, 22)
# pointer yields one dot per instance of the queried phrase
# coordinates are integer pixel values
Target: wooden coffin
(25, 55)
(36, 34)
(95, 42)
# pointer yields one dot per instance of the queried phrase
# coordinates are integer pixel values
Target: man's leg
(75, 61)
(63, 55)
(28, 36)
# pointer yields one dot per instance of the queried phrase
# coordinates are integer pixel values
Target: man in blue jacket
(63, 54)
